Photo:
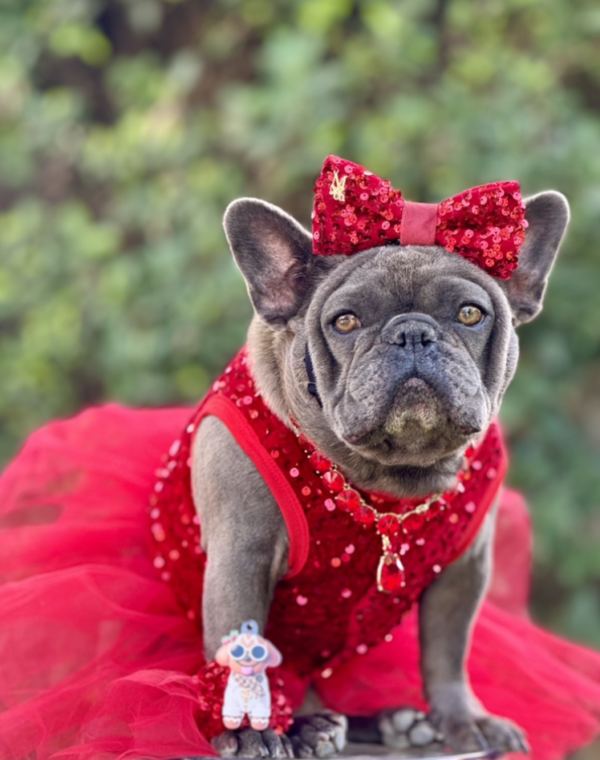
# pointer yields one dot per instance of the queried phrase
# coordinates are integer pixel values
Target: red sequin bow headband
(355, 210)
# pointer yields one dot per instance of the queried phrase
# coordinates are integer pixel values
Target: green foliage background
(126, 126)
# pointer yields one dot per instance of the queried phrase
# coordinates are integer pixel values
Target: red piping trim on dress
(487, 501)
(293, 514)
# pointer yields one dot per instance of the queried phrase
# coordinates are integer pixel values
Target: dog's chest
(330, 607)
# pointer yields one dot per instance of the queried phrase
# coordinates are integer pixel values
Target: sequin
(435, 508)
(413, 522)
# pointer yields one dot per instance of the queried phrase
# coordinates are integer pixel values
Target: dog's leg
(243, 534)
(246, 542)
(447, 611)
(446, 615)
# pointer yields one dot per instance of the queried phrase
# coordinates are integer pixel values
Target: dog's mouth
(416, 410)
(417, 429)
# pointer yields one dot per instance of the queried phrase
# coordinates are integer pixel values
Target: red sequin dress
(100, 632)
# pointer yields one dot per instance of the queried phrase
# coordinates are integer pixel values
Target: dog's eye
(345, 323)
(470, 315)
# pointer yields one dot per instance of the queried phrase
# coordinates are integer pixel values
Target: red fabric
(99, 661)
(355, 210)
(222, 407)
(342, 556)
(419, 222)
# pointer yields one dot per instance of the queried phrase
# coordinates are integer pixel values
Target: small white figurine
(248, 655)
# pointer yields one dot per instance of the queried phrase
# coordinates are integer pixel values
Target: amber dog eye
(470, 316)
(345, 323)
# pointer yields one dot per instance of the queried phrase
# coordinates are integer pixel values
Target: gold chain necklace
(391, 576)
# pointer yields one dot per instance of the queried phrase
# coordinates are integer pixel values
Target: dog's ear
(222, 655)
(547, 215)
(274, 253)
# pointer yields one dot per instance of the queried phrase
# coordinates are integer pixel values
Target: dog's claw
(407, 729)
(320, 735)
(278, 746)
(471, 733)
(226, 744)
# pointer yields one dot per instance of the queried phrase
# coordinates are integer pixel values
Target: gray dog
(402, 389)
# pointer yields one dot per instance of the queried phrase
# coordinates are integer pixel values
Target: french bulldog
(392, 361)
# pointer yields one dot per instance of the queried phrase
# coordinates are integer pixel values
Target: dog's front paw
(469, 733)
(248, 742)
(320, 735)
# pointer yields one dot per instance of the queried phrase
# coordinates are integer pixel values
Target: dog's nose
(416, 330)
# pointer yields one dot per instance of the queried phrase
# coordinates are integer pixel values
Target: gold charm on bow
(337, 189)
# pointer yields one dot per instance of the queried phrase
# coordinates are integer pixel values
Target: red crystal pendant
(348, 500)
(334, 481)
(388, 525)
(364, 515)
(390, 573)
(320, 462)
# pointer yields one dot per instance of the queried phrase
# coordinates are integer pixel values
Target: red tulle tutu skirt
(98, 662)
